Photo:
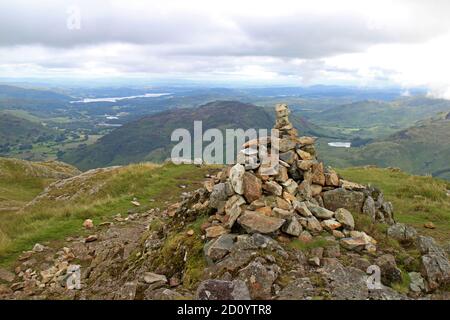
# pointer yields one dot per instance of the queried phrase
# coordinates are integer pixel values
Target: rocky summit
(267, 227)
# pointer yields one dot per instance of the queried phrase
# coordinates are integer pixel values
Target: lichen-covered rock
(320, 212)
(292, 227)
(298, 289)
(345, 218)
(343, 198)
(259, 279)
(218, 248)
(369, 208)
(256, 222)
(403, 233)
(273, 188)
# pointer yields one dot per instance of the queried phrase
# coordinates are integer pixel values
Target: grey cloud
(174, 31)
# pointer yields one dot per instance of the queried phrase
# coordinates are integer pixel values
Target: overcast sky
(359, 42)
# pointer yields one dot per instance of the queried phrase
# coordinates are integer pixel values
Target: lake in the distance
(340, 144)
(115, 99)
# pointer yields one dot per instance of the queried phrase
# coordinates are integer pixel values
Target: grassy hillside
(16, 130)
(101, 194)
(21, 181)
(148, 139)
(98, 194)
(416, 199)
(371, 118)
(420, 149)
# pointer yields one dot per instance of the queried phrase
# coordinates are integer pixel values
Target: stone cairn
(294, 197)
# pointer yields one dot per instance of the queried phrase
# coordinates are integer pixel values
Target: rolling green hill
(373, 119)
(421, 149)
(21, 181)
(148, 139)
(17, 130)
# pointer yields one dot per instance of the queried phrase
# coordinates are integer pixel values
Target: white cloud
(404, 42)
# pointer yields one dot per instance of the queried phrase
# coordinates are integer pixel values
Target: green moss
(178, 246)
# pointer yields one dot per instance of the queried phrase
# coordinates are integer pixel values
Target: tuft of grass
(314, 243)
(416, 199)
(99, 197)
(403, 286)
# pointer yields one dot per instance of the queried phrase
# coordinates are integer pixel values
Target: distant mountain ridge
(148, 139)
(421, 149)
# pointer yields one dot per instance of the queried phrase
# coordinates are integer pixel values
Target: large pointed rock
(252, 187)
(237, 178)
(256, 222)
(233, 209)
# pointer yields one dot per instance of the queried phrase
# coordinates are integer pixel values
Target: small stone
(91, 238)
(267, 211)
(304, 155)
(338, 234)
(313, 225)
(292, 227)
(286, 145)
(290, 186)
(306, 140)
(353, 243)
(215, 231)
(331, 179)
(345, 218)
(281, 213)
(320, 212)
(282, 175)
(330, 224)
(429, 225)
(135, 203)
(218, 248)
(305, 237)
(88, 224)
(273, 188)
(152, 278)
(38, 247)
(190, 232)
(305, 165)
(417, 283)
(301, 208)
(314, 261)
(316, 190)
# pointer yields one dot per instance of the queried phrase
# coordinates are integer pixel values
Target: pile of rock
(290, 195)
